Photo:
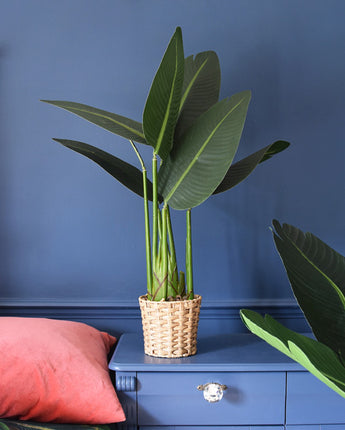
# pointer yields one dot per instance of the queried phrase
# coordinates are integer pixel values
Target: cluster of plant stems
(164, 282)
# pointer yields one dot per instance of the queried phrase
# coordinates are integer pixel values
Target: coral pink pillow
(56, 371)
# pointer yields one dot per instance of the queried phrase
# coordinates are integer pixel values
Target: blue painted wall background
(70, 233)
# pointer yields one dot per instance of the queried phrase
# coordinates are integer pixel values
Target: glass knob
(213, 392)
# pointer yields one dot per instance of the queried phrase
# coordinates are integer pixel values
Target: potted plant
(195, 137)
(317, 277)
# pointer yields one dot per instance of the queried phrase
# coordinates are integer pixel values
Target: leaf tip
(61, 141)
(276, 224)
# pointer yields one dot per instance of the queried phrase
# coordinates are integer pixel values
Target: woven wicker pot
(170, 327)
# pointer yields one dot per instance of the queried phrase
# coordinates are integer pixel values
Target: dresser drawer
(219, 428)
(316, 427)
(309, 401)
(172, 398)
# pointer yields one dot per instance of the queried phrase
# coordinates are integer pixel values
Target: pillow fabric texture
(31, 425)
(56, 371)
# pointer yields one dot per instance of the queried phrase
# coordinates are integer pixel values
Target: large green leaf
(163, 102)
(317, 276)
(316, 357)
(198, 164)
(117, 124)
(243, 168)
(200, 89)
(127, 174)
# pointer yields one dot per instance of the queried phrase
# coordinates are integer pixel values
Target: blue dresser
(234, 382)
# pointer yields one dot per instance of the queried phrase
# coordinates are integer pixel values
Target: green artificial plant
(317, 276)
(194, 137)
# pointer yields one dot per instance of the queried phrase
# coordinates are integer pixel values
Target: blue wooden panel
(310, 427)
(309, 401)
(331, 427)
(252, 398)
(230, 352)
(118, 317)
(126, 390)
(316, 427)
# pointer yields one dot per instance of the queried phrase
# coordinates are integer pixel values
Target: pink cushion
(56, 371)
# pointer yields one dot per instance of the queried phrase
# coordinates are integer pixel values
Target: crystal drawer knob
(213, 392)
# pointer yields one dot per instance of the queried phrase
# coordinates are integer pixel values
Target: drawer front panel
(213, 427)
(316, 427)
(309, 401)
(252, 398)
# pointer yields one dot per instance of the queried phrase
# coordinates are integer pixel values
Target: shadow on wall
(4, 213)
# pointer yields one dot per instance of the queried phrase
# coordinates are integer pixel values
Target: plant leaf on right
(317, 277)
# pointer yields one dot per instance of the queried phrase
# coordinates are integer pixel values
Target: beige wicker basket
(170, 327)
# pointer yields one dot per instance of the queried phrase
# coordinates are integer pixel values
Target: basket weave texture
(170, 327)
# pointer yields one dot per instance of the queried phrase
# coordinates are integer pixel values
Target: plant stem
(189, 262)
(173, 279)
(182, 284)
(147, 225)
(171, 236)
(154, 210)
(165, 255)
(147, 238)
(137, 153)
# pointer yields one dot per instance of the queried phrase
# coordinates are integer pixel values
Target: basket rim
(143, 298)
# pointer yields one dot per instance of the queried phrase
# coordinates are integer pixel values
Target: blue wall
(70, 233)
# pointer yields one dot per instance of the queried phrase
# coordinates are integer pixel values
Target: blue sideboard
(255, 388)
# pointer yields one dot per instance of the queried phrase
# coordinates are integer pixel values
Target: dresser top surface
(232, 352)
